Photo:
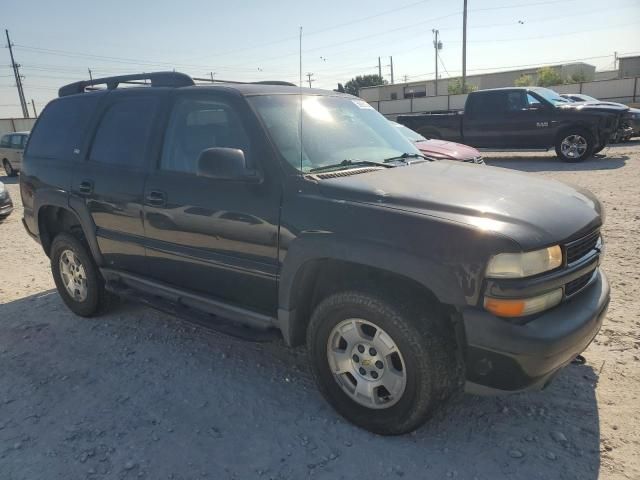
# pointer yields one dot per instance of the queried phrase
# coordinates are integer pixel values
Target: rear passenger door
(484, 120)
(110, 181)
(215, 237)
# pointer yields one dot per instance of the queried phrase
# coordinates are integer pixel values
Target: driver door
(216, 237)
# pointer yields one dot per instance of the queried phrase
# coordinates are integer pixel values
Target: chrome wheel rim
(73, 275)
(366, 363)
(573, 146)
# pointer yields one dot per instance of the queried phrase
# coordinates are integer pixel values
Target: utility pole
(379, 68)
(437, 45)
(16, 73)
(90, 74)
(405, 78)
(464, 48)
(35, 112)
(391, 65)
(309, 75)
(212, 73)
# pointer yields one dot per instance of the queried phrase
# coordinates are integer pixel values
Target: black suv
(306, 212)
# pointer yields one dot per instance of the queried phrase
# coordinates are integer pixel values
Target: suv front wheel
(382, 367)
(77, 278)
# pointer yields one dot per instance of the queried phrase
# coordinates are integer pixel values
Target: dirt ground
(140, 394)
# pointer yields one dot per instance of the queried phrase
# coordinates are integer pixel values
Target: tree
(578, 77)
(523, 81)
(455, 87)
(547, 76)
(354, 85)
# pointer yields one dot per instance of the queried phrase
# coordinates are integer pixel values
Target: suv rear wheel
(8, 168)
(382, 367)
(77, 278)
(574, 145)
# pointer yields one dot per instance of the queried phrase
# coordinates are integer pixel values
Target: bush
(455, 87)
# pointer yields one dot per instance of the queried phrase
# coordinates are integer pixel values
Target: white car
(11, 151)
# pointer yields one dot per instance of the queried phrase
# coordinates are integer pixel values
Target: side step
(249, 329)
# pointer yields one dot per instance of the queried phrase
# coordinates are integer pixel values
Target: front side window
(199, 123)
(515, 101)
(531, 100)
(124, 131)
(551, 96)
(334, 129)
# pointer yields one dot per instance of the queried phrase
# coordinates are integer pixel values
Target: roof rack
(157, 79)
(263, 82)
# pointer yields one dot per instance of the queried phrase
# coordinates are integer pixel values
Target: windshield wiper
(404, 156)
(345, 164)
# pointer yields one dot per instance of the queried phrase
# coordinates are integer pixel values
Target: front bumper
(506, 357)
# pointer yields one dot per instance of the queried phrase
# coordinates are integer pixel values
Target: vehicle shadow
(9, 180)
(138, 387)
(549, 163)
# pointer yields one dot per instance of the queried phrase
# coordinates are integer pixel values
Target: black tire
(577, 132)
(426, 346)
(8, 168)
(598, 149)
(97, 298)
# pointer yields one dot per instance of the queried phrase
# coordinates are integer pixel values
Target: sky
(247, 40)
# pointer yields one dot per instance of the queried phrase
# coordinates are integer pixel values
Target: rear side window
(61, 127)
(5, 141)
(123, 133)
(487, 104)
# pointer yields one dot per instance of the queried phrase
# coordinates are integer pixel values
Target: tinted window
(5, 141)
(197, 124)
(16, 141)
(515, 101)
(124, 132)
(60, 129)
(487, 104)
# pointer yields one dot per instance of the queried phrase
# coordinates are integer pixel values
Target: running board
(203, 311)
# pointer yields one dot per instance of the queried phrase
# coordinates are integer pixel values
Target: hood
(524, 207)
(595, 106)
(450, 150)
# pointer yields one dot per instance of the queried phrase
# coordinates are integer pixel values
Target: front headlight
(526, 264)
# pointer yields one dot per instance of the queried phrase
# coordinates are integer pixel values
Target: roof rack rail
(157, 79)
(263, 82)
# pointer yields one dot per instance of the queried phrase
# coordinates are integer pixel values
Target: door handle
(156, 198)
(85, 187)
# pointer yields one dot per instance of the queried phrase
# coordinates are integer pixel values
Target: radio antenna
(300, 98)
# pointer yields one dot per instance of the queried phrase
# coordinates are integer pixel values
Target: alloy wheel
(73, 275)
(366, 363)
(573, 146)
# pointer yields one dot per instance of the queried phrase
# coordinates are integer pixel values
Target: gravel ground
(140, 394)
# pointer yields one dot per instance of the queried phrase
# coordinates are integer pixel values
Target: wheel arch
(55, 216)
(313, 272)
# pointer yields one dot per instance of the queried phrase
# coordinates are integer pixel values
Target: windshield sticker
(362, 104)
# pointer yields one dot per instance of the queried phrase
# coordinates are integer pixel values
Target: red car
(441, 149)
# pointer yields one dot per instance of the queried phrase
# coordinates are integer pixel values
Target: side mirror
(536, 106)
(225, 164)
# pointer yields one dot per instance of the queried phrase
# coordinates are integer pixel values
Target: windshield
(408, 133)
(334, 129)
(551, 96)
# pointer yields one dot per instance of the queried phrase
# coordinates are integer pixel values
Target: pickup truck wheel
(598, 149)
(9, 170)
(384, 368)
(77, 278)
(574, 146)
